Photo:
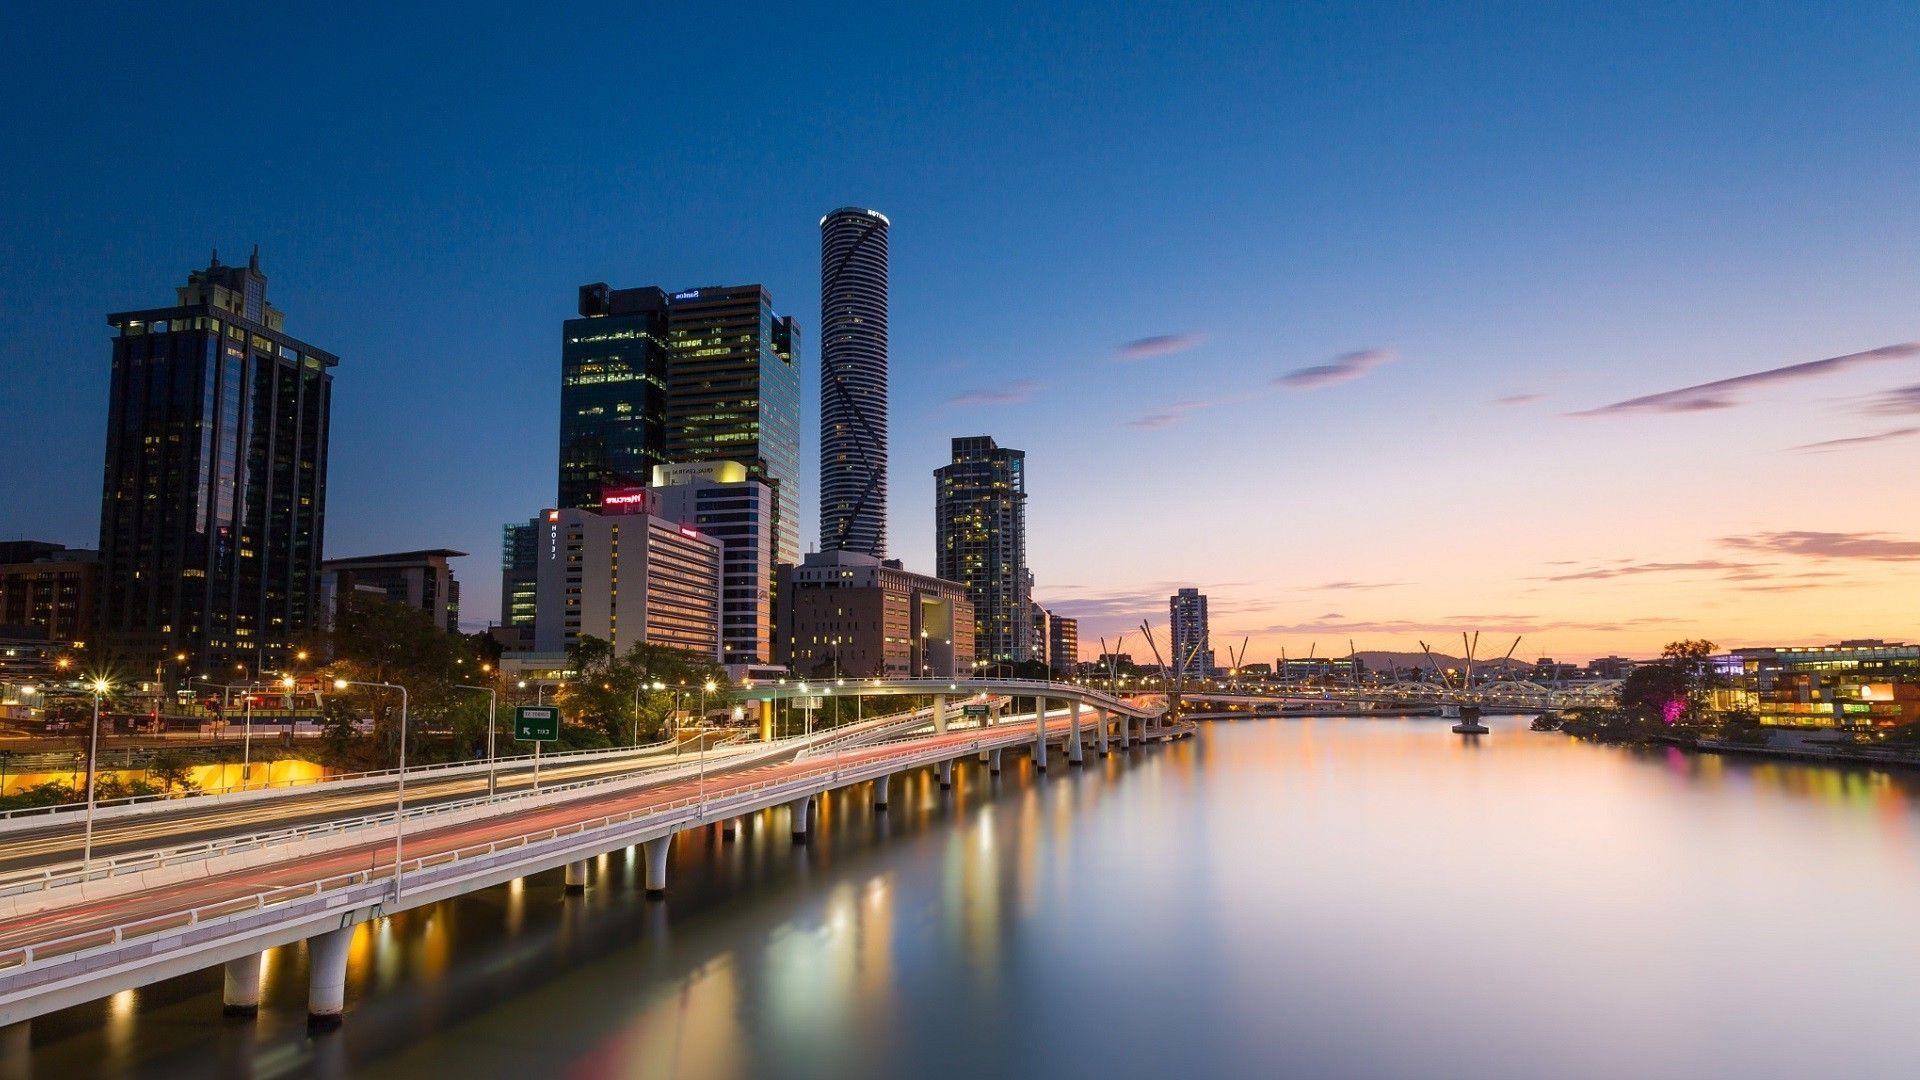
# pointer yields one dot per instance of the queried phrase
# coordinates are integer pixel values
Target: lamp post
(493, 701)
(400, 789)
(100, 687)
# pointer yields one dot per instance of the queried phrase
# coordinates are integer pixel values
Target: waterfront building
(1063, 643)
(980, 540)
(1192, 651)
(670, 573)
(853, 381)
(1610, 667)
(613, 392)
(1039, 648)
(1335, 669)
(214, 502)
(1866, 683)
(417, 579)
(845, 613)
(47, 590)
(733, 394)
(719, 499)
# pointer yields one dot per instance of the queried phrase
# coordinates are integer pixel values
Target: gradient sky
(1300, 306)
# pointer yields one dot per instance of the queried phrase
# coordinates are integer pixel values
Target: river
(1316, 897)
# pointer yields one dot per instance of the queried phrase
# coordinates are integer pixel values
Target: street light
(493, 699)
(400, 790)
(100, 687)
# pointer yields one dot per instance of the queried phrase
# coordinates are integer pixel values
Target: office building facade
(613, 392)
(980, 541)
(519, 570)
(719, 499)
(1866, 683)
(214, 502)
(844, 613)
(853, 381)
(47, 590)
(1192, 649)
(417, 579)
(628, 578)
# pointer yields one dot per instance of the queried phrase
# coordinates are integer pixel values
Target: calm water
(1314, 897)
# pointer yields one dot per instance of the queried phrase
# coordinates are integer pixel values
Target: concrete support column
(576, 878)
(327, 978)
(797, 810)
(939, 714)
(730, 828)
(945, 772)
(1074, 754)
(766, 720)
(1040, 734)
(1100, 729)
(656, 852)
(16, 1050)
(993, 762)
(880, 787)
(1126, 733)
(241, 996)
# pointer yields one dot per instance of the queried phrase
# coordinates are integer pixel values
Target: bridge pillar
(945, 771)
(797, 810)
(1100, 730)
(16, 1050)
(1074, 754)
(656, 852)
(880, 786)
(241, 994)
(1126, 733)
(939, 714)
(766, 720)
(576, 878)
(993, 762)
(327, 978)
(730, 828)
(1040, 734)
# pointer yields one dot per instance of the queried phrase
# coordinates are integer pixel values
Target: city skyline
(1605, 386)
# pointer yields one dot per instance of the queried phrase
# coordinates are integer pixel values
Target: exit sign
(976, 712)
(536, 723)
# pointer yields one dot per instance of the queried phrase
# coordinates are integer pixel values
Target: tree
(375, 640)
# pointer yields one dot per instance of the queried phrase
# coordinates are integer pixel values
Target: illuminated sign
(624, 500)
(690, 294)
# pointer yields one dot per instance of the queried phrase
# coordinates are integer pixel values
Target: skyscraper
(733, 394)
(980, 540)
(613, 392)
(853, 381)
(1192, 654)
(519, 567)
(215, 493)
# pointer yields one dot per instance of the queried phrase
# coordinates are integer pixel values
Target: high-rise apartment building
(613, 392)
(47, 589)
(1192, 653)
(215, 494)
(1063, 644)
(853, 381)
(980, 541)
(719, 499)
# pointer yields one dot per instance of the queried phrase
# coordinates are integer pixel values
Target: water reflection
(1320, 897)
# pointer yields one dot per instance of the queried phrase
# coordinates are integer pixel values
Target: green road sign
(536, 723)
(977, 712)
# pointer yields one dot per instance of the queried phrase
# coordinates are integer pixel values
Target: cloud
(1358, 586)
(1344, 368)
(1725, 393)
(1014, 393)
(1454, 624)
(1903, 401)
(1858, 440)
(1601, 573)
(1171, 415)
(1519, 399)
(1158, 345)
(1875, 546)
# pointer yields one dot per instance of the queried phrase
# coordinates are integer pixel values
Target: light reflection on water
(1306, 897)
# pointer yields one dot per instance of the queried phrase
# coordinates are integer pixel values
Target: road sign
(977, 712)
(536, 723)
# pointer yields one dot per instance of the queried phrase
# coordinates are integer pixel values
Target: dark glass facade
(853, 381)
(613, 387)
(980, 540)
(519, 566)
(214, 502)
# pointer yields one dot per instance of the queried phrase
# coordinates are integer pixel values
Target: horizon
(1597, 328)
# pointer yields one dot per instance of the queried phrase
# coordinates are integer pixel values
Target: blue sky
(1575, 206)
